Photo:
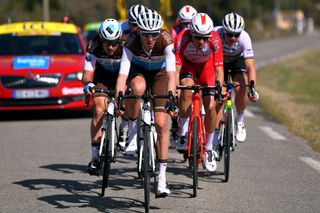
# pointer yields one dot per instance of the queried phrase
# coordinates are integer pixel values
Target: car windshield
(64, 43)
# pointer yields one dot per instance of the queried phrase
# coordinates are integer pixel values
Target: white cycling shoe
(211, 164)
(241, 133)
(162, 189)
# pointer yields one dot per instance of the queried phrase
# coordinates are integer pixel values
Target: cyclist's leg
(241, 99)
(187, 78)
(162, 128)
(207, 78)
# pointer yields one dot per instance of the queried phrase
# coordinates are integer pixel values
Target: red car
(41, 66)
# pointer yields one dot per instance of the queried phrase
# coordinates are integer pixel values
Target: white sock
(240, 117)
(184, 124)
(162, 171)
(95, 152)
(209, 137)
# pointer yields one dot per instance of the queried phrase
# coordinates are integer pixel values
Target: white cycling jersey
(242, 48)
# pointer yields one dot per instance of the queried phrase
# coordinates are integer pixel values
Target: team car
(41, 65)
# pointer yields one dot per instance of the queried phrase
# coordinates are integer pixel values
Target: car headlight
(76, 76)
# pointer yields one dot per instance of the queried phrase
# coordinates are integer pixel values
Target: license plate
(26, 94)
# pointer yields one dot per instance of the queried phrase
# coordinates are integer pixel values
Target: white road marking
(248, 114)
(312, 163)
(271, 133)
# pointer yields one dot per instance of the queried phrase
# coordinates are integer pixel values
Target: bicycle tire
(227, 144)
(194, 155)
(146, 166)
(107, 158)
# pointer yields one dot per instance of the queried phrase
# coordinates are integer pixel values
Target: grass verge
(289, 92)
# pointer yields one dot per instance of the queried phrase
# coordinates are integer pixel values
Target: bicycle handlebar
(204, 88)
(93, 90)
(170, 97)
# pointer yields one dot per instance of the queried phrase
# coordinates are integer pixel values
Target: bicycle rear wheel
(106, 154)
(194, 155)
(146, 167)
(226, 144)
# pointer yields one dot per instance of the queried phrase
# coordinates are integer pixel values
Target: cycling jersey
(160, 57)
(196, 63)
(106, 68)
(242, 48)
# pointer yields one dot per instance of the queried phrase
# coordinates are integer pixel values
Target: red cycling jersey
(198, 63)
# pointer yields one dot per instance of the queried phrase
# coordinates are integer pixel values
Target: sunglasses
(112, 43)
(185, 23)
(153, 35)
(201, 37)
(230, 35)
(133, 24)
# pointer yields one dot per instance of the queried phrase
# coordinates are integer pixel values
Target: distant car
(41, 66)
(90, 30)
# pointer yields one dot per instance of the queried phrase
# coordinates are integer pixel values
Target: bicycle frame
(196, 112)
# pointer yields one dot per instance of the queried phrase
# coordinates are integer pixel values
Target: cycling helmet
(134, 11)
(110, 29)
(149, 20)
(233, 23)
(201, 24)
(186, 13)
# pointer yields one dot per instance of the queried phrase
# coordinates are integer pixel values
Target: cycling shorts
(237, 67)
(104, 79)
(201, 73)
(156, 79)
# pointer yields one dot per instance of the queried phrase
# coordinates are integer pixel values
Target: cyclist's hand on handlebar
(255, 97)
(119, 104)
(171, 107)
(252, 94)
(88, 88)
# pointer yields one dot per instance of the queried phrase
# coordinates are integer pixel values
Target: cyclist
(130, 25)
(239, 58)
(199, 58)
(186, 13)
(148, 58)
(127, 140)
(101, 71)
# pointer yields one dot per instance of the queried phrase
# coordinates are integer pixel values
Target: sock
(184, 124)
(216, 139)
(209, 137)
(162, 171)
(95, 151)
(240, 117)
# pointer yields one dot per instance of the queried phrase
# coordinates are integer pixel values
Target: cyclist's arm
(251, 69)
(125, 65)
(171, 67)
(88, 71)
(249, 56)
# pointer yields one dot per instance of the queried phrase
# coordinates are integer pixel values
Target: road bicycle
(108, 148)
(196, 133)
(227, 125)
(146, 139)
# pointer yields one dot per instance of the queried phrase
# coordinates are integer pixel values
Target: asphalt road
(43, 158)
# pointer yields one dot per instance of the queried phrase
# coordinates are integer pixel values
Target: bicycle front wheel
(226, 144)
(107, 154)
(146, 167)
(194, 155)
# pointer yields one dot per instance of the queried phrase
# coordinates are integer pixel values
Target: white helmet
(110, 29)
(186, 13)
(134, 11)
(149, 20)
(201, 24)
(233, 23)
